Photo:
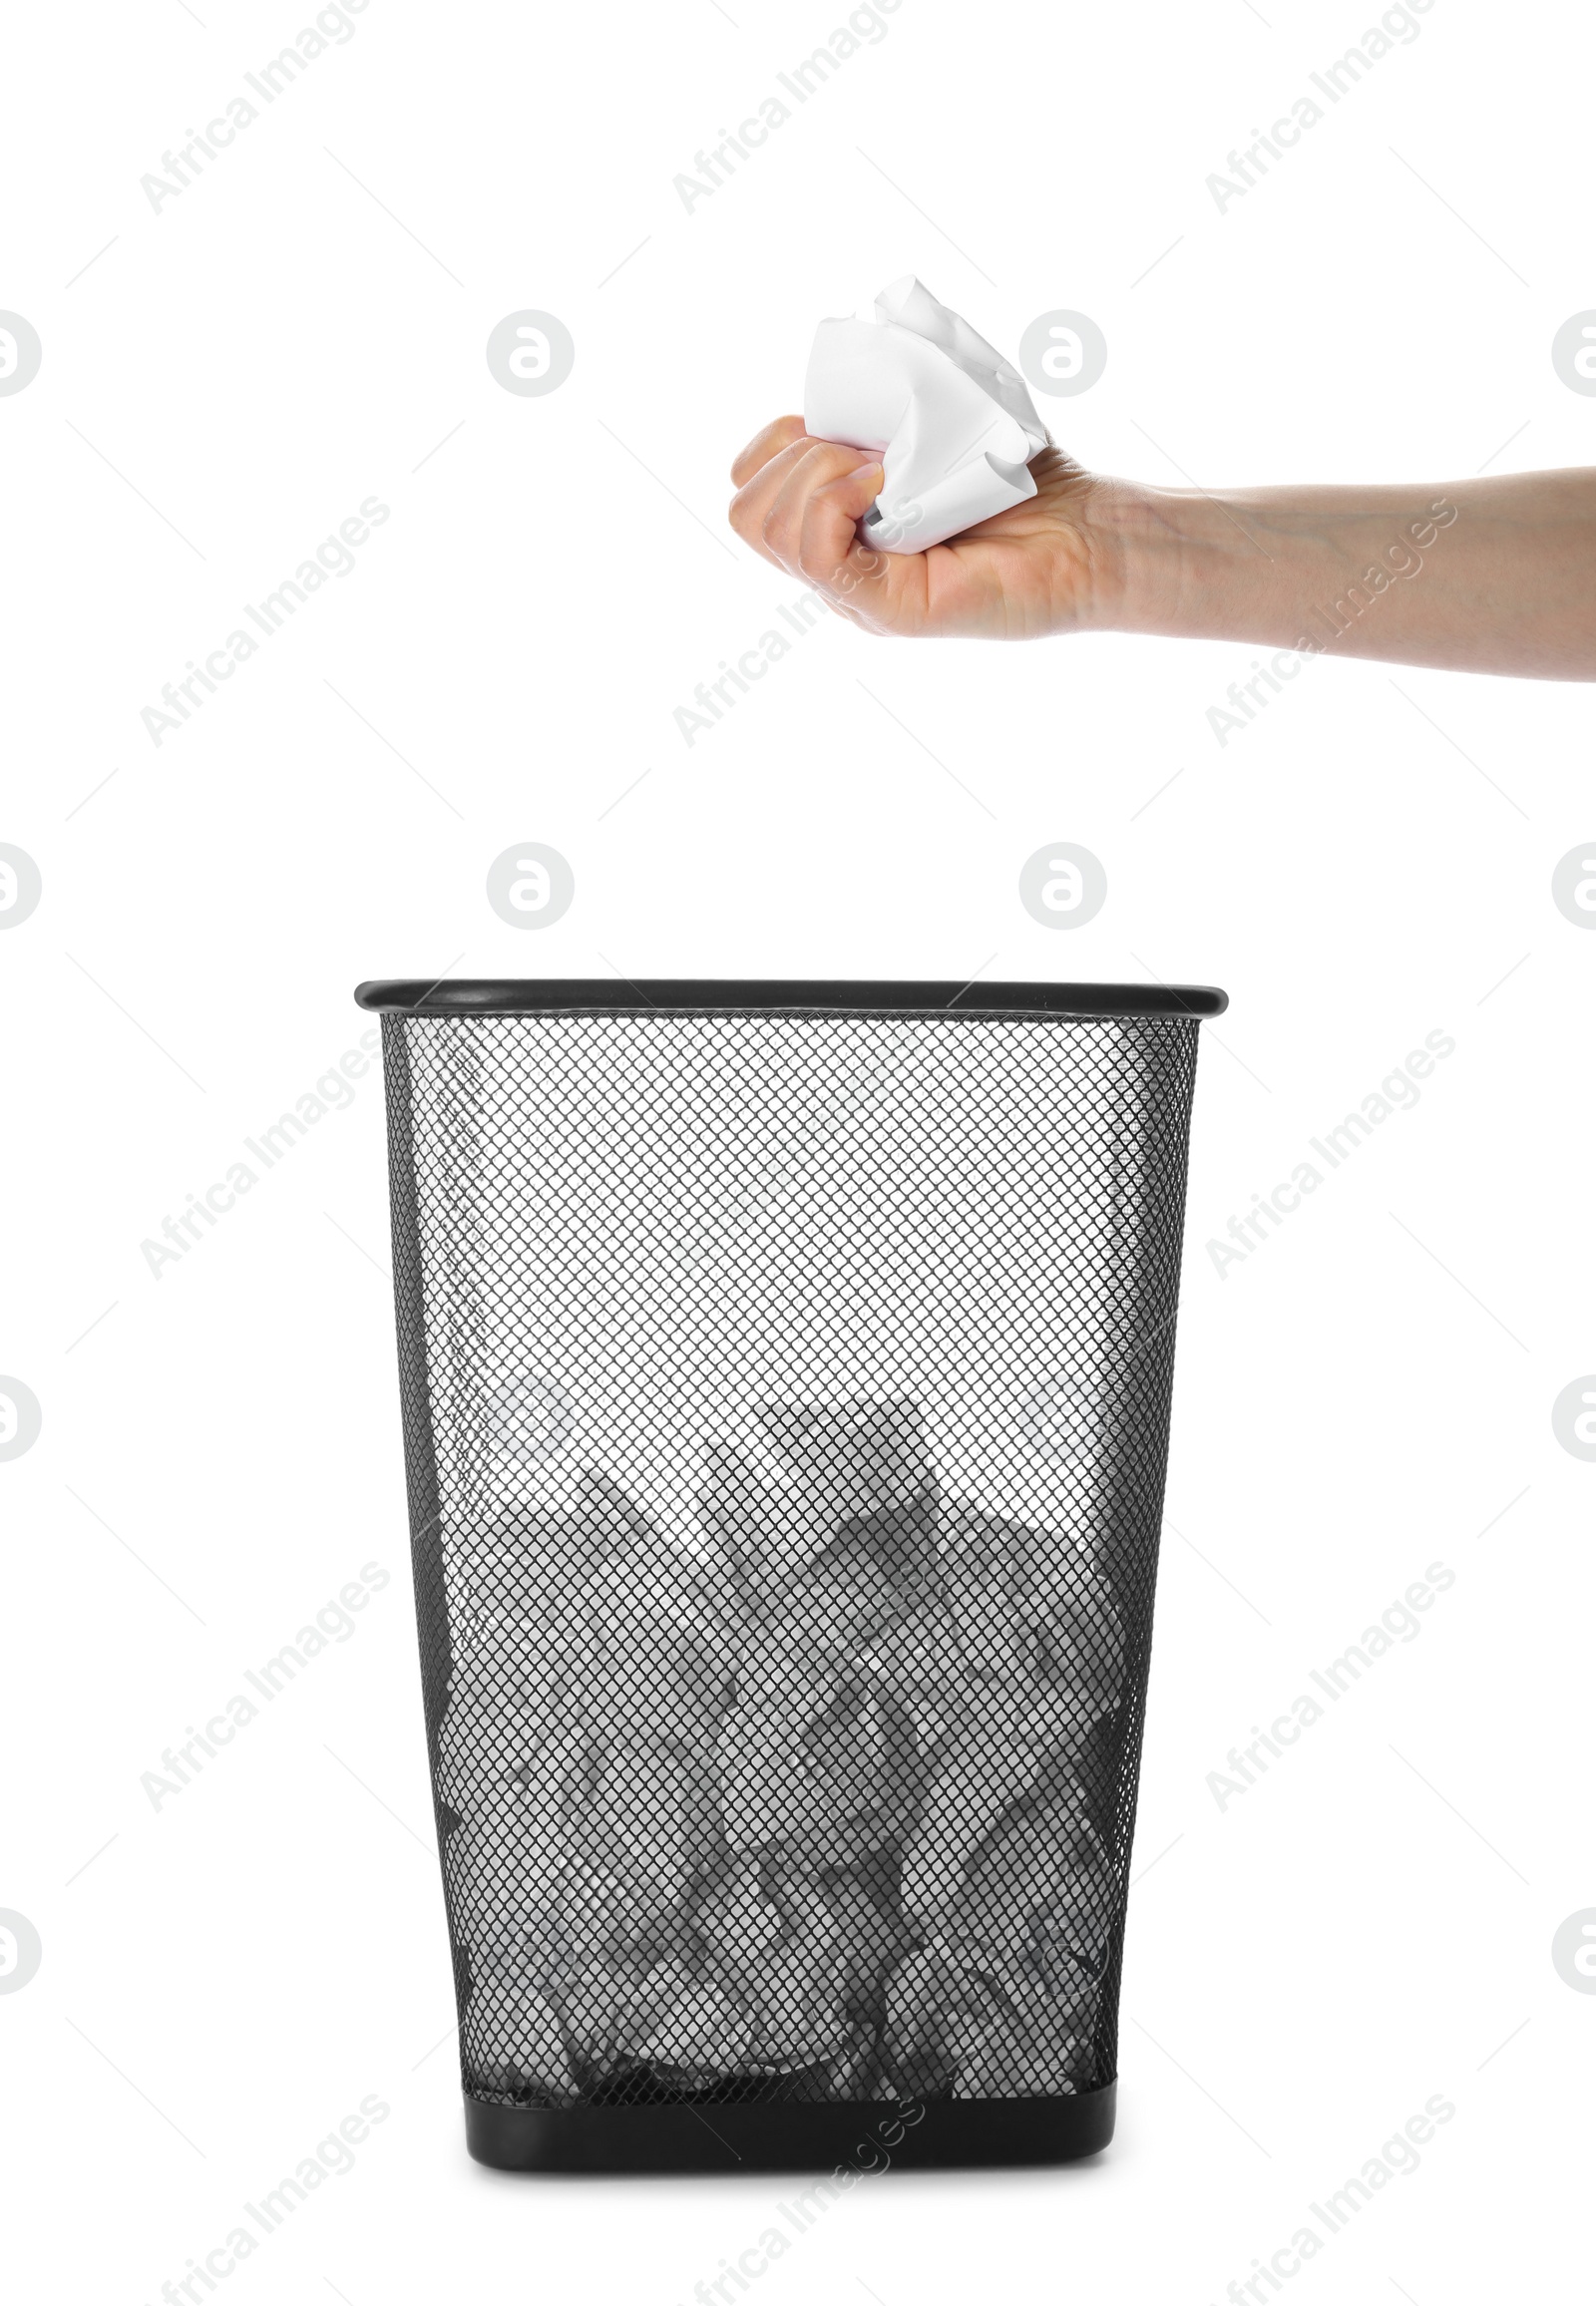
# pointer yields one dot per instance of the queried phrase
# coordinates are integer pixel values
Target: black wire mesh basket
(785, 1374)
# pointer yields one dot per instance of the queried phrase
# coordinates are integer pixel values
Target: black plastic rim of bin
(863, 2134)
(532, 995)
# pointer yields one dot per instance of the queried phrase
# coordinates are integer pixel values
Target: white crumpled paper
(956, 426)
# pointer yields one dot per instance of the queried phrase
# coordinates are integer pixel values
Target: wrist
(1162, 560)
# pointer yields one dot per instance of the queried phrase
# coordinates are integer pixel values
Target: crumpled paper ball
(950, 418)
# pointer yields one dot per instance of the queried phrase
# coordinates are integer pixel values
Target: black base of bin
(951, 2132)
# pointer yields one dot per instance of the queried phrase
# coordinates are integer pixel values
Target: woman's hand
(1036, 568)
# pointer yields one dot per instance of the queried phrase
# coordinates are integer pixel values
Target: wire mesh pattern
(786, 1403)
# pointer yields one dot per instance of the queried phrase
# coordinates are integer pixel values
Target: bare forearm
(1484, 576)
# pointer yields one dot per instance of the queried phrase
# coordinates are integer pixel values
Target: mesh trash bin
(785, 1375)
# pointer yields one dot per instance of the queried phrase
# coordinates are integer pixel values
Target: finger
(830, 553)
(765, 444)
(755, 501)
(752, 502)
(816, 467)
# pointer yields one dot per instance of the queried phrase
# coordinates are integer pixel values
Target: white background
(1369, 1925)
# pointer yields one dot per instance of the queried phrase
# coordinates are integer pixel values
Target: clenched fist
(1036, 568)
